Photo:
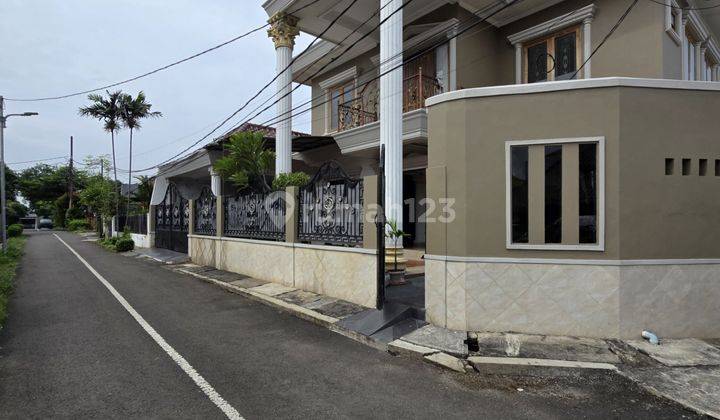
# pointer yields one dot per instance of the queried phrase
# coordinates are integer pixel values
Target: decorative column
(518, 63)
(684, 46)
(452, 53)
(391, 105)
(703, 61)
(587, 47)
(699, 60)
(715, 73)
(283, 30)
(215, 183)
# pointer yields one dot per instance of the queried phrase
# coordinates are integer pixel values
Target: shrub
(73, 214)
(78, 224)
(124, 245)
(295, 179)
(14, 230)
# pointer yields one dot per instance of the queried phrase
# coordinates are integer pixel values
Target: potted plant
(397, 273)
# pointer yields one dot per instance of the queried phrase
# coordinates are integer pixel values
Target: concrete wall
(343, 273)
(660, 268)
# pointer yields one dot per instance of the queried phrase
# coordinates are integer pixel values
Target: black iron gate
(172, 218)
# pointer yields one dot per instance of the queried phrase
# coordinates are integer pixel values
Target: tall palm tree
(132, 112)
(106, 110)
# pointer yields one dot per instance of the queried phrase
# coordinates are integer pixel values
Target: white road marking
(219, 401)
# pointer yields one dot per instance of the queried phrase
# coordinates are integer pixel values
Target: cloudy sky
(53, 47)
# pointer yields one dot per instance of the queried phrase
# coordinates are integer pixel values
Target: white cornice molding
(343, 76)
(440, 30)
(312, 56)
(571, 261)
(571, 85)
(274, 6)
(552, 25)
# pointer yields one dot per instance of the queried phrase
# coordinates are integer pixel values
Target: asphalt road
(70, 349)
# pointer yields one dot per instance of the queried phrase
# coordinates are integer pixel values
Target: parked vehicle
(45, 224)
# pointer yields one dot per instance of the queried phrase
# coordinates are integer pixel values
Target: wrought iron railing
(417, 88)
(255, 216)
(205, 222)
(330, 208)
(363, 109)
(352, 114)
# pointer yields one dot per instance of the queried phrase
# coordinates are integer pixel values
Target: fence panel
(331, 208)
(205, 222)
(136, 223)
(255, 216)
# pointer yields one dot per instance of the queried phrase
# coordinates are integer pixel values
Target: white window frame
(673, 15)
(329, 83)
(583, 17)
(600, 245)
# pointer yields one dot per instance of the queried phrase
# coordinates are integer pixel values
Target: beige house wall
(660, 268)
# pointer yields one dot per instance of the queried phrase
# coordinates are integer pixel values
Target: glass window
(554, 57)
(339, 97)
(537, 63)
(553, 194)
(565, 56)
(588, 193)
(519, 200)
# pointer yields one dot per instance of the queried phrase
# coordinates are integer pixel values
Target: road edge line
(203, 384)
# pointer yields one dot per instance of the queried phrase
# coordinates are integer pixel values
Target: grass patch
(8, 266)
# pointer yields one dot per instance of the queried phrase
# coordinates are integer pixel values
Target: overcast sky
(52, 48)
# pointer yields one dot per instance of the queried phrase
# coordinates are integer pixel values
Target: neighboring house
(581, 207)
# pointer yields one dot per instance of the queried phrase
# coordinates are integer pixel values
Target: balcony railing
(416, 89)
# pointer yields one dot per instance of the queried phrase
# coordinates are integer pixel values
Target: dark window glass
(537, 63)
(565, 64)
(519, 203)
(588, 193)
(553, 194)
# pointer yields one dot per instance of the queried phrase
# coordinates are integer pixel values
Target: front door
(172, 221)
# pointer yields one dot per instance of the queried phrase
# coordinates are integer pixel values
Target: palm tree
(106, 110)
(132, 111)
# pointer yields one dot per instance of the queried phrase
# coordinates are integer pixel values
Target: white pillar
(684, 47)
(283, 30)
(699, 61)
(452, 47)
(518, 63)
(587, 47)
(391, 103)
(215, 183)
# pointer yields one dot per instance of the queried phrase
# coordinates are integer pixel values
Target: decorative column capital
(588, 20)
(283, 29)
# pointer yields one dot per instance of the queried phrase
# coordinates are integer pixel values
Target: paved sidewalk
(70, 350)
(695, 383)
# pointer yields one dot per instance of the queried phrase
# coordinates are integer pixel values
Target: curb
(295, 310)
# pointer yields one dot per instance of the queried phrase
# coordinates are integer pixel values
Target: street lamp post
(3, 213)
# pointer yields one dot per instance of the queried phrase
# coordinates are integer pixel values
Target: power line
(684, 8)
(420, 53)
(159, 69)
(288, 67)
(37, 160)
(609, 34)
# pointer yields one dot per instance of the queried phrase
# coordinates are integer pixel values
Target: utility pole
(3, 214)
(70, 186)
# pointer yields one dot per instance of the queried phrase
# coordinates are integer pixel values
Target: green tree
(246, 162)
(106, 110)
(144, 192)
(99, 197)
(132, 112)
(42, 185)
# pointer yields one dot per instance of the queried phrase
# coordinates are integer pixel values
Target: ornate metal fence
(255, 216)
(171, 221)
(205, 222)
(331, 208)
